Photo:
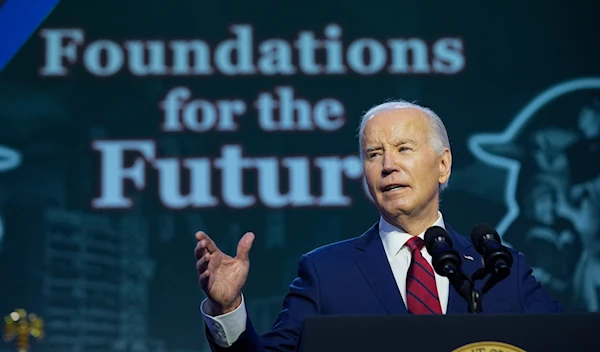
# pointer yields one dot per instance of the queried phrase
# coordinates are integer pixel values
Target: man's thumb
(244, 246)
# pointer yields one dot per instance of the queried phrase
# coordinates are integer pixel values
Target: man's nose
(390, 163)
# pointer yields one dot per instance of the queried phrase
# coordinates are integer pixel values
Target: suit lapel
(456, 303)
(373, 264)
(372, 261)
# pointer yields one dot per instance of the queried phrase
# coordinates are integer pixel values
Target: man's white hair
(438, 135)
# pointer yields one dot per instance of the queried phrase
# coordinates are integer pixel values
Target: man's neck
(414, 225)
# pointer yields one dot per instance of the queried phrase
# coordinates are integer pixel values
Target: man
(407, 162)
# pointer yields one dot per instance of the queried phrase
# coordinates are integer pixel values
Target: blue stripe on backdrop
(18, 20)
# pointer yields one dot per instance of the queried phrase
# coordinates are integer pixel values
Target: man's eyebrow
(371, 149)
(397, 143)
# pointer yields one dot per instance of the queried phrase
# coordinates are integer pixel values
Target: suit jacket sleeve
(301, 301)
(534, 298)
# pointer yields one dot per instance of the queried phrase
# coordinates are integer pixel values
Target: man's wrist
(215, 309)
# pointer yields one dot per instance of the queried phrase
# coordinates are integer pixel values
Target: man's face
(402, 170)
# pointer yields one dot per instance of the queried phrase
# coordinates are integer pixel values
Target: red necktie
(421, 290)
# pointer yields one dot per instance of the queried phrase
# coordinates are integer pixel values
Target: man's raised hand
(220, 276)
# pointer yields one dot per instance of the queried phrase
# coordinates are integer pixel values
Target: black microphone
(496, 257)
(447, 262)
(445, 259)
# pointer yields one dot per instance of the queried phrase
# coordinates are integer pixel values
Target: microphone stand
(480, 274)
(466, 288)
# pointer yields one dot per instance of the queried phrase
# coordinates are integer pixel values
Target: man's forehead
(398, 115)
(396, 121)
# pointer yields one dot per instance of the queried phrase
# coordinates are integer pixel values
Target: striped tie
(421, 290)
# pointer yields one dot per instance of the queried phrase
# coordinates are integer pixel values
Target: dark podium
(448, 333)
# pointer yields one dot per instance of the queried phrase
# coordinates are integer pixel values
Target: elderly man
(407, 161)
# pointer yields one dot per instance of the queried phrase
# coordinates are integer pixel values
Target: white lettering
(294, 113)
(169, 186)
(276, 58)
(333, 171)
(156, 58)
(198, 50)
(402, 62)
(269, 182)
(198, 115)
(297, 114)
(366, 47)
(330, 54)
(171, 105)
(242, 47)
(232, 165)
(334, 50)
(449, 56)
(57, 50)
(329, 114)
(94, 54)
(195, 187)
(307, 45)
(113, 172)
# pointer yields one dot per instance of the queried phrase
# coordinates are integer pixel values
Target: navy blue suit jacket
(354, 277)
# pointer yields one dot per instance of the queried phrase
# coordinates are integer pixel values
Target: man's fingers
(200, 235)
(202, 263)
(205, 243)
(203, 279)
(244, 246)
(200, 250)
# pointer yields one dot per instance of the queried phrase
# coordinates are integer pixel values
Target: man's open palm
(220, 276)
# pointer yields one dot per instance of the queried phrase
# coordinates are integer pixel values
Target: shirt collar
(394, 238)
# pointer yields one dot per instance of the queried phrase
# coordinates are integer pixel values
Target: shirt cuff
(226, 328)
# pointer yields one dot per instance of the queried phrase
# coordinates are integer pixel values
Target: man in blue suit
(386, 270)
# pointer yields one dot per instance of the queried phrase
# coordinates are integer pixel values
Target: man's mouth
(393, 187)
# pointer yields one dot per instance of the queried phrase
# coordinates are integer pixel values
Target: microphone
(445, 259)
(446, 262)
(496, 257)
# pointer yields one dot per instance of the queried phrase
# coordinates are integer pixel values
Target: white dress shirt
(227, 328)
(400, 257)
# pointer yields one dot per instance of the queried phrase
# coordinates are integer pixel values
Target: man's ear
(445, 166)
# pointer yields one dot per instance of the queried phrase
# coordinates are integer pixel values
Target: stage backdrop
(127, 126)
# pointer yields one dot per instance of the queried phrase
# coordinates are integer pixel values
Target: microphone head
(482, 232)
(445, 259)
(487, 242)
(433, 235)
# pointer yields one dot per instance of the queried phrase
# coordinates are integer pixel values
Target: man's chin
(396, 211)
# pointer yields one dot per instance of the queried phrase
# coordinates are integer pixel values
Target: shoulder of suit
(339, 247)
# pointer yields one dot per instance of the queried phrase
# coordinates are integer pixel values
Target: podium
(452, 333)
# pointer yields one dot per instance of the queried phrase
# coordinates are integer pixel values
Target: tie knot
(415, 243)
